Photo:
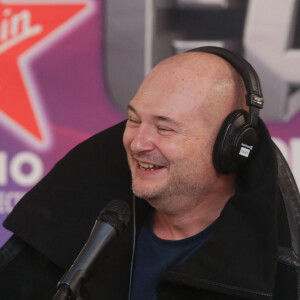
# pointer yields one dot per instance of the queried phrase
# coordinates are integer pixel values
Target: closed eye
(133, 120)
(165, 130)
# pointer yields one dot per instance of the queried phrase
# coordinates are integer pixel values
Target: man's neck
(187, 223)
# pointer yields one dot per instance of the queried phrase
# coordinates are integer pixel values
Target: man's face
(169, 141)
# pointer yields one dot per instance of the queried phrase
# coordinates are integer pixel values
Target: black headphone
(238, 137)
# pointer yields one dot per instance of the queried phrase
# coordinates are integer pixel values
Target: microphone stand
(110, 222)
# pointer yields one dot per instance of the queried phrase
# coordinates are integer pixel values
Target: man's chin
(147, 194)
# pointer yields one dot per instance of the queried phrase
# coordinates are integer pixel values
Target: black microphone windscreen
(116, 213)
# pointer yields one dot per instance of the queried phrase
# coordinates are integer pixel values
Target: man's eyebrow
(158, 117)
(168, 120)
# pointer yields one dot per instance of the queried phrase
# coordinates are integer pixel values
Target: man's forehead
(167, 82)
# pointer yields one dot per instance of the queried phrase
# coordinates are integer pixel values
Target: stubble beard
(178, 194)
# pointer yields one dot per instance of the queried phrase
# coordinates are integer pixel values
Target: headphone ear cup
(235, 143)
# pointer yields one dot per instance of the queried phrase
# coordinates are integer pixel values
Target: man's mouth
(148, 166)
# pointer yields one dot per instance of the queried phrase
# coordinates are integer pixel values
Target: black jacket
(253, 254)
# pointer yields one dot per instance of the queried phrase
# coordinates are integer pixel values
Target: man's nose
(142, 140)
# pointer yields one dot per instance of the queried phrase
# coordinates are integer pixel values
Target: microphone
(110, 223)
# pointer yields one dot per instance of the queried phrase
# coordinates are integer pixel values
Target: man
(225, 228)
(169, 137)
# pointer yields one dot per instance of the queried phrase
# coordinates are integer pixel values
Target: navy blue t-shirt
(154, 256)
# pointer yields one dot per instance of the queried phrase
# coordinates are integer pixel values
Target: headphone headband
(254, 96)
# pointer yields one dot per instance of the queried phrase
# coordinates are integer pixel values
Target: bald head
(205, 81)
(211, 79)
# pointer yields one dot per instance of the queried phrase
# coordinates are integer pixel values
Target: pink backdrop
(53, 93)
